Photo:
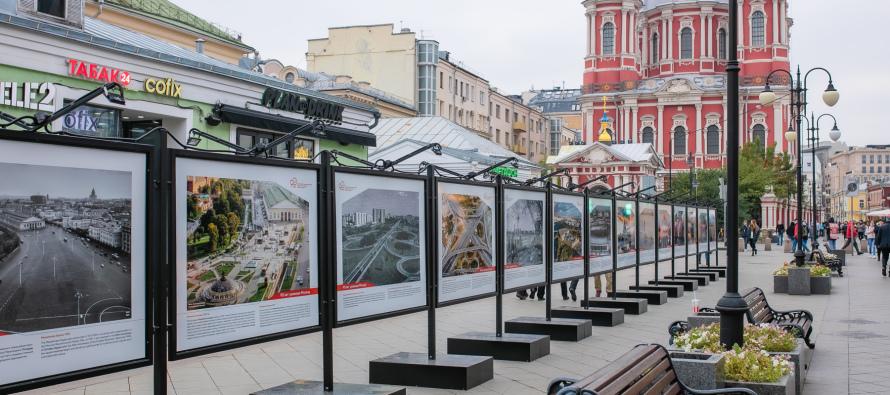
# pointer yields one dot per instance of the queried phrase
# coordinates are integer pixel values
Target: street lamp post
(767, 98)
(690, 163)
(813, 138)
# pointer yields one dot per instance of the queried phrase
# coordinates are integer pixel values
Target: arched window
(655, 48)
(680, 140)
(608, 39)
(758, 33)
(289, 77)
(686, 43)
(759, 135)
(713, 140)
(721, 44)
(648, 135)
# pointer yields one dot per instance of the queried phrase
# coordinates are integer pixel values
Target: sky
(519, 44)
(63, 182)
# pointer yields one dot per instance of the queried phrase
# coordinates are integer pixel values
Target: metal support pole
(500, 259)
(586, 233)
(673, 242)
(431, 258)
(657, 241)
(548, 249)
(614, 244)
(732, 306)
(326, 293)
(159, 257)
(637, 242)
(799, 255)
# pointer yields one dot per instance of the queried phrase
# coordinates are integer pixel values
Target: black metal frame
(636, 213)
(152, 258)
(608, 198)
(546, 237)
(434, 227)
(172, 311)
(655, 230)
(337, 323)
(550, 235)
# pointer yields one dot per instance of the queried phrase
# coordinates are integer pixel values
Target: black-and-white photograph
(381, 237)
(646, 238)
(600, 227)
(64, 247)
(524, 227)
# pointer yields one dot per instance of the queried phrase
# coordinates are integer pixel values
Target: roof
(437, 130)
(464, 155)
(166, 11)
(114, 38)
(651, 4)
(636, 152)
(557, 100)
(274, 194)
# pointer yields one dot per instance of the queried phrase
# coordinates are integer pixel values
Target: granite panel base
(456, 372)
(597, 316)
(785, 386)
(798, 281)
(701, 279)
(820, 285)
(632, 306)
(507, 347)
(698, 370)
(721, 271)
(780, 284)
(842, 255)
(317, 388)
(703, 319)
(712, 276)
(688, 285)
(652, 297)
(561, 329)
(673, 291)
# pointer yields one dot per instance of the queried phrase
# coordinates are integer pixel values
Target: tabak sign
(309, 107)
(96, 72)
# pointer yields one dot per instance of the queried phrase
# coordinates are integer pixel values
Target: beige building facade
(864, 165)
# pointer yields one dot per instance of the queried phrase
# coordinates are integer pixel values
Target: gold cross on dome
(604, 103)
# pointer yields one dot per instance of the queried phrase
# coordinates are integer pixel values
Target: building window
(482, 98)
(427, 90)
(686, 43)
(655, 48)
(863, 158)
(879, 158)
(680, 141)
(497, 111)
(758, 33)
(871, 159)
(449, 84)
(880, 168)
(289, 77)
(871, 169)
(713, 140)
(608, 39)
(861, 203)
(648, 136)
(507, 115)
(863, 169)
(441, 81)
(55, 8)
(721, 44)
(759, 135)
(94, 121)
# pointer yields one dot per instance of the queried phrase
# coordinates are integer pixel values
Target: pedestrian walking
(753, 236)
(852, 235)
(598, 284)
(744, 233)
(870, 236)
(833, 234)
(882, 241)
(780, 234)
(806, 236)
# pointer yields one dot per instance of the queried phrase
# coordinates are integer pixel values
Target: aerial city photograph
(247, 241)
(64, 247)
(466, 235)
(381, 237)
(524, 228)
(567, 238)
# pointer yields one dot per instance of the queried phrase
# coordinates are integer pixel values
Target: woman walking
(753, 236)
(744, 234)
(870, 236)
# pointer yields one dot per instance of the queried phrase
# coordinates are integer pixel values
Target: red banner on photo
(3, 334)
(513, 266)
(295, 293)
(347, 287)
(485, 269)
(578, 258)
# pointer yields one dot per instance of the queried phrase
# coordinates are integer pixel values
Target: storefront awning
(278, 123)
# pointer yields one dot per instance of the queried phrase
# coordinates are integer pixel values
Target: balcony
(519, 127)
(519, 149)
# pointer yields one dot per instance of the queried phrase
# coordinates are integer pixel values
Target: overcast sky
(517, 44)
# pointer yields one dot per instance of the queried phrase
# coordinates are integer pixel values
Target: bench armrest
(677, 328)
(559, 383)
(793, 314)
(707, 310)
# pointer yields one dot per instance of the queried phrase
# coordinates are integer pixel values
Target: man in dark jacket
(780, 233)
(882, 242)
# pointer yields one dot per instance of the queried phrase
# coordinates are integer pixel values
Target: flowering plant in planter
(703, 338)
(820, 271)
(782, 271)
(769, 338)
(828, 255)
(755, 365)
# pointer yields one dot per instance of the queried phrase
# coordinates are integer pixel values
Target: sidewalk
(850, 331)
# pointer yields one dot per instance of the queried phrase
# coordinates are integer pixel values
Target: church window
(758, 33)
(680, 140)
(686, 43)
(759, 135)
(608, 39)
(648, 135)
(713, 140)
(721, 44)
(655, 48)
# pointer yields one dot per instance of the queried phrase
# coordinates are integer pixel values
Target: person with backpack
(791, 226)
(753, 236)
(744, 234)
(882, 242)
(780, 231)
(852, 236)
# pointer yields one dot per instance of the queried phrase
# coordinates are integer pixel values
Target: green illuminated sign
(506, 171)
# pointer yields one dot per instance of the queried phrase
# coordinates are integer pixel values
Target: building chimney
(199, 46)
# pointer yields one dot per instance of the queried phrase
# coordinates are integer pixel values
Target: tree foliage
(214, 236)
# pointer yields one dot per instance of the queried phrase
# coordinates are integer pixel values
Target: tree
(233, 222)
(192, 206)
(214, 237)
(208, 217)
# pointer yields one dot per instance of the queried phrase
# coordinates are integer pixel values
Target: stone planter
(742, 243)
(767, 245)
(702, 319)
(800, 357)
(842, 255)
(798, 281)
(820, 285)
(780, 284)
(785, 386)
(699, 370)
(787, 246)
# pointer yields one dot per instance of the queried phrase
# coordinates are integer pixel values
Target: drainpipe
(376, 120)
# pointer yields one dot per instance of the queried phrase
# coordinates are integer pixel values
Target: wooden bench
(799, 322)
(834, 264)
(646, 369)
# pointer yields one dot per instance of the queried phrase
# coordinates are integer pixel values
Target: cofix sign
(309, 107)
(96, 72)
